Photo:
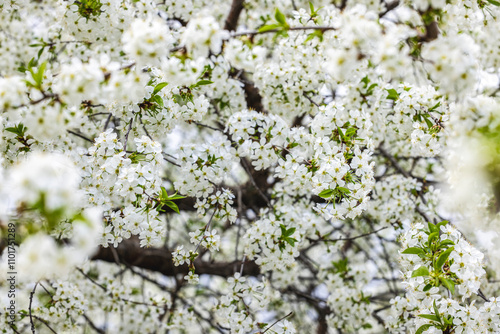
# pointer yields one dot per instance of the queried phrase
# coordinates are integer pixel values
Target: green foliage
(316, 33)
(280, 26)
(165, 199)
(494, 3)
(443, 323)
(334, 194)
(20, 131)
(89, 8)
(285, 237)
(201, 83)
(393, 94)
(36, 73)
(437, 252)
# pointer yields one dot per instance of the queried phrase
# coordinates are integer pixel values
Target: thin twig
(171, 162)
(144, 128)
(80, 136)
(206, 229)
(94, 327)
(128, 132)
(243, 264)
(393, 162)
(274, 323)
(45, 323)
(208, 127)
(354, 238)
(244, 164)
(29, 308)
(481, 294)
(107, 121)
(310, 99)
(255, 32)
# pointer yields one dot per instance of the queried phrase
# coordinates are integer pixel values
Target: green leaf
(289, 232)
(365, 80)
(38, 75)
(432, 236)
(432, 227)
(327, 193)
(317, 33)
(159, 87)
(158, 100)
(442, 258)
(493, 2)
(435, 106)
(427, 121)
(311, 7)
(163, 194)
(172, 206)
(393, 94)
(446, 242)
(204, 82)
(341, 134)
(442, 223)
(280, 17)
(343, 190)
(18, 130)
(291, 241)
(448, 284)
(436, 311)
(413, 250)
(201, 83)
(370, 89)
(423, 328)
(427, 287)
(429, 316)
(422, 271)
(269, 27)
(175, 196)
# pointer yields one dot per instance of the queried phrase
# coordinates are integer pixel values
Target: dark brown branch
(389, 7)
(431, 32)
(234, 15)
(160, 260)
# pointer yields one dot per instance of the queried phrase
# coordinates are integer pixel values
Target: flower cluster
(131, 181)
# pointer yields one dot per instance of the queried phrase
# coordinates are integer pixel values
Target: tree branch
(160, 260)
(234, 15)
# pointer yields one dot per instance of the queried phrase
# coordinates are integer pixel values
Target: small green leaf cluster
(432, 123)
(369, 88)
(436, 252)
(165, 199)
(335, 194)
(154, 104)
(347, 134)
(20, 131)
(36, 73)
(185, 93)
(286, 237)
(443, 323)
(280, 25)
(88, 8)
(425, 115)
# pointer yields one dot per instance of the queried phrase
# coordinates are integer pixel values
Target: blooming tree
(249, 166)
